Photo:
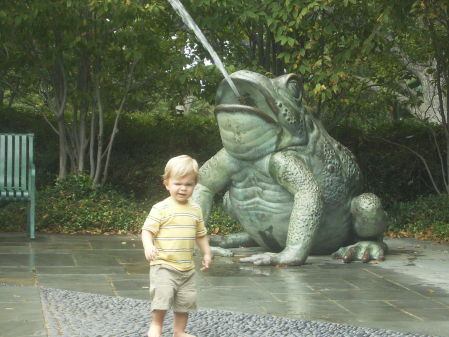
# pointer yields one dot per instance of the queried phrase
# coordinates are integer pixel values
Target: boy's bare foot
(155, 331)
(182, 334)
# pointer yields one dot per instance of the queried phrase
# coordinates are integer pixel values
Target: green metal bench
(18, 174)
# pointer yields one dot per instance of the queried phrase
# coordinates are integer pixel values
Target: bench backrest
(16, 162)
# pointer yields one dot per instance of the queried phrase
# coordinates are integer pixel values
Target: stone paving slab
(21, 312)
(408, 293)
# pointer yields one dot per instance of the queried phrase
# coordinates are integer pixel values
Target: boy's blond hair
(180, 167)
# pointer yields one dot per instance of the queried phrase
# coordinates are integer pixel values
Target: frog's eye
(294, 88)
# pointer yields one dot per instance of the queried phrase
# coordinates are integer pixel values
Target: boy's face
(180, 188)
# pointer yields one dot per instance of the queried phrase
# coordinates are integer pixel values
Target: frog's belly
(264, 213)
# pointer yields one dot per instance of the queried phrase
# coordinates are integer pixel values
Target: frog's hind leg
(369, 221)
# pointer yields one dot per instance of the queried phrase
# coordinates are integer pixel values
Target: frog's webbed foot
(218, 251)
(234, 240)
(263, 259)
(291, 255)
(364, 251)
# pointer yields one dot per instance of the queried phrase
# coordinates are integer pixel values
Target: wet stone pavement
(84, 285)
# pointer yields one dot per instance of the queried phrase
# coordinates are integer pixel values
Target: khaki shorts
(171, 288)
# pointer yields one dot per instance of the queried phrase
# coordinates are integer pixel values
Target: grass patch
(425, 218)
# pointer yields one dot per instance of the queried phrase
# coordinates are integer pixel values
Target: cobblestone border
(77, 314)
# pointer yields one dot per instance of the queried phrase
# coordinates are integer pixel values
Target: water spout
(187, 19)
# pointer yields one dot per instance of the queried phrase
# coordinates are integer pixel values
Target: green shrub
(13, 216)
(392, 172)
(427, 215)
(147, 141)
(220, 223)
(73, 205)
(46, 154)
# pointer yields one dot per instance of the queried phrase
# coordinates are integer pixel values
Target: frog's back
(333, 166)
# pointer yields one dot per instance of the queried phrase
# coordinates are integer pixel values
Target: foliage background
(376, 71)
(146, 141)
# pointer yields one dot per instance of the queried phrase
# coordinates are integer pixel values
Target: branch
(415, 68)
(406, 88)
(41, 112)
(377, 88)
(62, 99)
(412, 66)
(129, 83)
(440, 155)
(49, 123)
(429, 173)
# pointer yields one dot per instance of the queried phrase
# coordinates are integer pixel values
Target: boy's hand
(207, 261)
(151, 253)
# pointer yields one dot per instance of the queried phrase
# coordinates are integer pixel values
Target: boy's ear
(165, 182)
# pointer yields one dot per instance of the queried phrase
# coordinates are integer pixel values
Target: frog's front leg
(289, 171)
(214, 175)
(370, 221)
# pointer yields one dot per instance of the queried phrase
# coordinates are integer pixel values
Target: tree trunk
(60, 100)
(97, 174)
(92, 144)
(83, 87)
(62, 149)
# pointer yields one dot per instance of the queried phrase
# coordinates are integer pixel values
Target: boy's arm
(203, 244)
(151, 252)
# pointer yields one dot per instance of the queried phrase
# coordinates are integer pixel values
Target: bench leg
(31, 218)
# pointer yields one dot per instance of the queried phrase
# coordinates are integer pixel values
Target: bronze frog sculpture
(294, 189)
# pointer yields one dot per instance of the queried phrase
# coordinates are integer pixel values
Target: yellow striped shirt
(175, 227)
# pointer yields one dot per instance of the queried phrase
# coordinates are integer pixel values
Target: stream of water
(187, 19)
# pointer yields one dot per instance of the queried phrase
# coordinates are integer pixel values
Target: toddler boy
(168, 235)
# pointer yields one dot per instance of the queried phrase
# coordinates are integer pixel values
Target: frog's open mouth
(254, 98)
(230, 108)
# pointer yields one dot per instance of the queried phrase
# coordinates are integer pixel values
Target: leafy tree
(86, 59)
(91, 59)
(412, 60)
(412, 67)
(325, 41)
(344, 49)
